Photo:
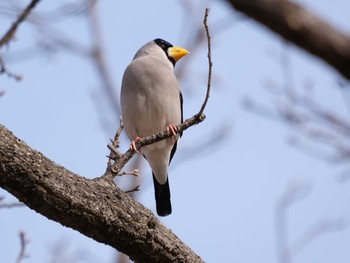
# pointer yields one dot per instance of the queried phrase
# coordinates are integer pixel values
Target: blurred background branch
(12, 30)
(298, 25)
(24, 241)
(4, 204)
(287, 251)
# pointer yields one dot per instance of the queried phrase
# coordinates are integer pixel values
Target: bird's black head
(165, 45)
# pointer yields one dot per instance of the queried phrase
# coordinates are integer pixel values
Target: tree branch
(96, 208)
(4, 70)
(12, 30)
(115, 167)
(299, 26)
(24, 241)
(210, 63)
(9, 205)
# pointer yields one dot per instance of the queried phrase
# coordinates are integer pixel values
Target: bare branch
(99, 59)
(286, 251)
(124, 158)
(9, 205)
(317, 124)
(96, 208)
(4, 70)
(135, 172)
(294, 192)
(299, 26)
(12, 30)
(23, 242)
(318, 229)
(205, 22)
(115, 154)
(135, 189)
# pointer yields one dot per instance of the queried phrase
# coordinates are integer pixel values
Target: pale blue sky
(223, 198)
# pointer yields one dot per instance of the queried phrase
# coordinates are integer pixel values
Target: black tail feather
(162, 195)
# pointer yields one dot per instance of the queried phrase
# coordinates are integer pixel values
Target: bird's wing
(173, 150)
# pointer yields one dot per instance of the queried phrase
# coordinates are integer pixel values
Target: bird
(151, 102)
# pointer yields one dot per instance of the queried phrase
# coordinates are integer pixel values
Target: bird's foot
(133, 145)
(173, 130)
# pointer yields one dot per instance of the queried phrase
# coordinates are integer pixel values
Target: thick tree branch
(299, 26)
(95, 208)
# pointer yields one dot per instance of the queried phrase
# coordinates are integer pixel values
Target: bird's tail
(162, 195)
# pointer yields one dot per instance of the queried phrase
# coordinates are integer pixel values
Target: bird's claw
(173, 130)
(170, 128)
(133, 145)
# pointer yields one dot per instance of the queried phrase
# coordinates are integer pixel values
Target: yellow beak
(177, 53)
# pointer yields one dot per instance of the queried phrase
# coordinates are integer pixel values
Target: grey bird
(151, 102)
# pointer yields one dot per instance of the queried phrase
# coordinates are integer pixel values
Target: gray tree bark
(96, 208)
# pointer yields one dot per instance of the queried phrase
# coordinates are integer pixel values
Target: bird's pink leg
(133, 145)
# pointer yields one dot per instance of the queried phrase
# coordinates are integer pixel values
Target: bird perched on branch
(151, 102)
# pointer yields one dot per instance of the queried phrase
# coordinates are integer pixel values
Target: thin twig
(315, 231)
(135, 189)
(205, 22)
(135, 172)
(293, 193)
(115, 154)
(12, 30)
(9, 205)
(99, 59)
(24, 242)
(4, 70)
(119, 131)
